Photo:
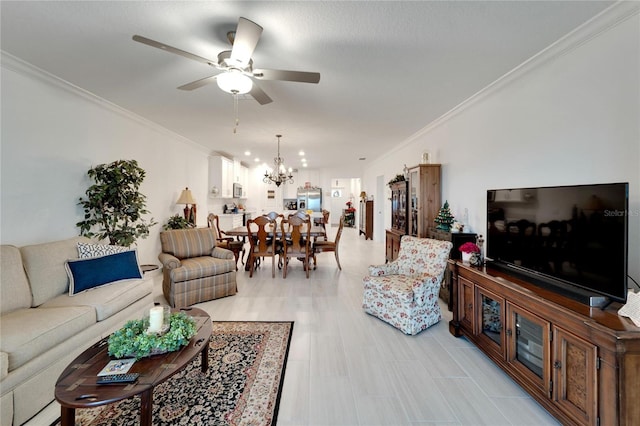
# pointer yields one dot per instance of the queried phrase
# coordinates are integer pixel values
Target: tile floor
(348, 368)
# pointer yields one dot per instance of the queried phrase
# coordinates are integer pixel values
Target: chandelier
(279, 175)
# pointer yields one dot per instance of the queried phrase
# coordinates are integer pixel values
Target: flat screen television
(572, 239)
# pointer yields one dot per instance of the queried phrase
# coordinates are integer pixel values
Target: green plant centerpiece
(114, 204)
(177, 222)
(132, 340)
(398, 178)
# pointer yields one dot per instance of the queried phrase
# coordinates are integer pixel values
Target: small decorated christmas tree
(444, 218)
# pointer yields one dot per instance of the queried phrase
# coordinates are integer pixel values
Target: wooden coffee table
(76, 387)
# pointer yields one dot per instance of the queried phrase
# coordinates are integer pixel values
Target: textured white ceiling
(388, 69)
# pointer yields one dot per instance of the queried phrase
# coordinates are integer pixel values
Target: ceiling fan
(236, 65)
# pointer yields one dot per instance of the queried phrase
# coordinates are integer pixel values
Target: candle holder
(159, 319)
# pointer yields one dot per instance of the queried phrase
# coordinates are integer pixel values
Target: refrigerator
(310, 199)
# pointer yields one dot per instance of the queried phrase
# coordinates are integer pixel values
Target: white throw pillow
(88, 250)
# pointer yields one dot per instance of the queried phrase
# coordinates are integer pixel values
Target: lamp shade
(234, 82)
(363, 194)
(186, 197)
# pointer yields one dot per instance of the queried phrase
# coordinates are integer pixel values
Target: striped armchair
(194, 269)
(404, 293)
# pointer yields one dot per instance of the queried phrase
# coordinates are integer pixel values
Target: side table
(148, 268)
(458, 239)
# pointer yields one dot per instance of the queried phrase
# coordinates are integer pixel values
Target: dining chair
(262, 242)
(224, 241)
(328, 246)
(298, 242)
(302, 214)
(325, 221)
(277, 218)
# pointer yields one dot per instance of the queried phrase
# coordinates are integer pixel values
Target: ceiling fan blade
(259, 95)
(300, 76)
(198, 83)
(172, 49)
(247, 35)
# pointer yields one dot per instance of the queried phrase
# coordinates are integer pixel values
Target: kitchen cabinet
(229, 221)
(290, 190)
(237, 171)
(223, 173)
(221, 176)
(241, 176)
(305, 175)
(582, 364)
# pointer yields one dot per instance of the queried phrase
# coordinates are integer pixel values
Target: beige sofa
(42, 328)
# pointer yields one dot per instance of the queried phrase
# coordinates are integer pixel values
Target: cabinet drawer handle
(557, 365)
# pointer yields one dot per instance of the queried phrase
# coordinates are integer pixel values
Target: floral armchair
(404, 293)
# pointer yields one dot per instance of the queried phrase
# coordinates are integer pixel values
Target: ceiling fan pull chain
(235, 111)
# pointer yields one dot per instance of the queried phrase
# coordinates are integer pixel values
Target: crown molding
(599, 24)
(13, 63)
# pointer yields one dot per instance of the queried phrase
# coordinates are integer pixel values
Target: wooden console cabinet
(582, 364)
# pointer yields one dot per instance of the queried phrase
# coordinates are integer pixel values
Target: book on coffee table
(117, 366)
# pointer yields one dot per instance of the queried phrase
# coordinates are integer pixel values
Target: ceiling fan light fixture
(234, 82)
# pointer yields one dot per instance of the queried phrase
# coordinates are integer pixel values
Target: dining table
(241, 232)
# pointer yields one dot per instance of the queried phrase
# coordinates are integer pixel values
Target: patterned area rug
(241, 387)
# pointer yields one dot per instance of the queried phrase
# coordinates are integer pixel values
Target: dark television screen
(573, 235)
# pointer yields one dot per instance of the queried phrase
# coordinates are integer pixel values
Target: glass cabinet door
(414, 190)
(490, 320)
(529, 345)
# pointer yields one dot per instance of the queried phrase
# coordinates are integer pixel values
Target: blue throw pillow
(85, 274)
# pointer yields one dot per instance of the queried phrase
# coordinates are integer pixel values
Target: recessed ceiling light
(301, 153)
(247, 152)
(256, 159)
(304, 160)
(304, 164)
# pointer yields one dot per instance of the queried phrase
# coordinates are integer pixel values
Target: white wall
(52, 133)
(570, 116)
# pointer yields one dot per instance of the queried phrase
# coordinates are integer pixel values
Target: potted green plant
(114, 205)
(397, 178)
(133, 340)
(177, 222)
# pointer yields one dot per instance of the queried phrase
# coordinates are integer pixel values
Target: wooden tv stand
(582, 364)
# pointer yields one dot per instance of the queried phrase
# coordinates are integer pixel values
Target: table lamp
(186, 198)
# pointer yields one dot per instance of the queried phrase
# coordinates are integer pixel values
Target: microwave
(237, 190)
